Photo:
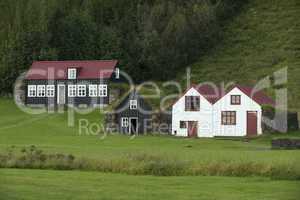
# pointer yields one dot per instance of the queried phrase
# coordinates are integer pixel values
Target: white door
(61, 94)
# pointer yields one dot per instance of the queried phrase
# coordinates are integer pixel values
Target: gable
(125, 103)
(258, 97)
(245, 100)
(214, 94)
(192, 92)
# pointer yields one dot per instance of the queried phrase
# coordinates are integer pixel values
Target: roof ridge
(75, 61)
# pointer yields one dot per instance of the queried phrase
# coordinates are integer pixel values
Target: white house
(207, 111)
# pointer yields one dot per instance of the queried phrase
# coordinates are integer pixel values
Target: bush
(144, 164)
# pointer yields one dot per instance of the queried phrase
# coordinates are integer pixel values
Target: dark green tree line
(152, 39)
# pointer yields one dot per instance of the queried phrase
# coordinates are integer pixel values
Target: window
(72, 90)
(133, 104)
(192, 103)
(50, 90)
(182, 124)
(235, 99)
(124, 122)
(102, 90)
(228, 117)
(93, 90)
(31, 90)
(72, 73)
(81, 90)
(41, 90)
(117, 73)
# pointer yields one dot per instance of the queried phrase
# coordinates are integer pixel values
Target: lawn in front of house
(48, 184)
(50, 132)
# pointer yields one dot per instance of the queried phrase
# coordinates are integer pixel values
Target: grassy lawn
(34, 184)
(51, 133)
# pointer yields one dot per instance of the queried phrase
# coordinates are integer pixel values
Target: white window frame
(50, 91)
(93, 90)
(72, 73)
(41, 91)
(124, 121)
(102, 90)
(81, 90)
(133, 104)
(31, 91)
(72, 90)
(117, 71)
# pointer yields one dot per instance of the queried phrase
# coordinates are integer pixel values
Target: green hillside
(265, 37)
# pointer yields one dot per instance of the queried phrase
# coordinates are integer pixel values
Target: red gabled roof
(210, 92)
(57, 70)
(213, 93)
(259, 97)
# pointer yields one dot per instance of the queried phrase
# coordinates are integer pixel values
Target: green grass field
(51, 133)
(44, 184)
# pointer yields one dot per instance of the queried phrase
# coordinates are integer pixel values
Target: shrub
(145, 164)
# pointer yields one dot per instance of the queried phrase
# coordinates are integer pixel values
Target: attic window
(133, 104)
(72, 72)
(192, 103)
(235, 99)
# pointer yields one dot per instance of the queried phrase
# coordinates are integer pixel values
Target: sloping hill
(265, 37)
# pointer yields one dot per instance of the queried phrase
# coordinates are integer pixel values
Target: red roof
(259, 97)
(213, 93)
(210, 92)
(57, 70)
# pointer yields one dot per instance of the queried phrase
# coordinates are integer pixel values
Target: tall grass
(145, 164)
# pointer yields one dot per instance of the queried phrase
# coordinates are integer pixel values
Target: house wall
(224, 104)
(205, 126)
(144, 118)
(69, 100)
(209, 116)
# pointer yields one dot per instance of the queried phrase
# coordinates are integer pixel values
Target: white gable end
(203, 116)
(224, 104)
(210, 120)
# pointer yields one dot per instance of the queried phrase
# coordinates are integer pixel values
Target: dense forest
(152, 39)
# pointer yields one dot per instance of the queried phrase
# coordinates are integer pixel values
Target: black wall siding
(69, 100)
(130, 113)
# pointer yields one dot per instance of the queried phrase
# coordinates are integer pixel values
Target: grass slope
(34, 184)
(265, 37)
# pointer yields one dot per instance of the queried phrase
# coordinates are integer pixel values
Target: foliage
(151, 39)
(143, 164)
(261, 40)
(140, 155)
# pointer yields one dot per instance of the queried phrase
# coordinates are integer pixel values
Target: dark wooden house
(53, 83)
(133, 114)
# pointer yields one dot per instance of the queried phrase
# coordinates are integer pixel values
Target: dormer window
(133, 104)
(117, 72)
(72, 73)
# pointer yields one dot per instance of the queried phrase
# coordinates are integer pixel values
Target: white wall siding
(205, 127)
(209, 116)
(224, 104)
